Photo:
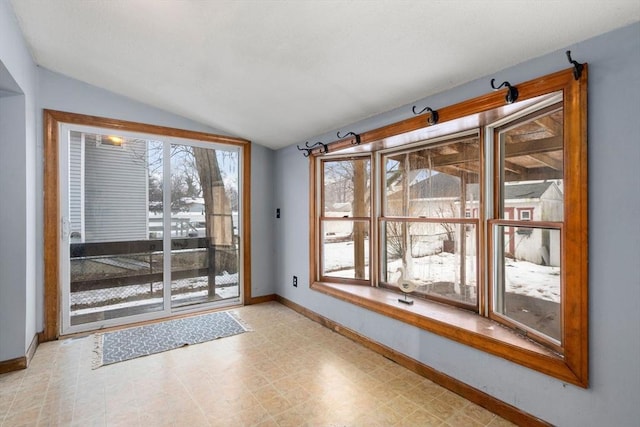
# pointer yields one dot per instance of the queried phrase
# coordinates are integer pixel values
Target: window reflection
(529, 289)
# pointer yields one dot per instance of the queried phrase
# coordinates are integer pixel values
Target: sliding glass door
(149, 226)
(204, 216)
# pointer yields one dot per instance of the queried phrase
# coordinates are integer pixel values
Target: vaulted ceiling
(280, 72)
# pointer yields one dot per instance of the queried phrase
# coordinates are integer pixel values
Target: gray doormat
(125, 344)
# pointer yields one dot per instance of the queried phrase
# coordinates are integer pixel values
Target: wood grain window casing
(352, 217)
(569, 362)
(520, 230)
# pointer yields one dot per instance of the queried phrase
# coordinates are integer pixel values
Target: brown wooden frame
(52, 119)
(471, 329)
(353, 219)
(522, 329)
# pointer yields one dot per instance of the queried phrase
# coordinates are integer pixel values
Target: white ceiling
(280, 72)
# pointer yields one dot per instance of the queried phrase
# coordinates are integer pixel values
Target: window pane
(204, 232)
(435, 182)
(532, 166)
(115, 265)
(346, 186)
(440, 257)
(345, 249)
(528, 285)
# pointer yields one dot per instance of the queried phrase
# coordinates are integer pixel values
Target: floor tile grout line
(202, 412)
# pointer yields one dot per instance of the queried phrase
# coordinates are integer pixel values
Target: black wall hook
(433, 118)
(308, 149)
(577, 67)
(355, 135)
(512, 91)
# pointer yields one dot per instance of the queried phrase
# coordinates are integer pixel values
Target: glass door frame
(53, 298)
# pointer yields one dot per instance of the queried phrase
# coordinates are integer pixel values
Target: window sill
(459, 325)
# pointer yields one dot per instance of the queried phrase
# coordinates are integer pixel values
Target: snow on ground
(339, 256)
(522, 277)
(229, 289)
(537, 281)
(442, 267)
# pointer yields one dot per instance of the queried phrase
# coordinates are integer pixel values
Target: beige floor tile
(254, 415)
(422, 418)
(403, 405)
(289, 371)
(20, 418)
(430, 387)
(276, 405)
(123, 416)
(296, 395)
(401, 385)
(224, 421)
(478, 413)
(267, 423)
(266, 392)
(85, 413)
(452, 399)
(439, 409)
(58, 407)
(156, 420)
(500, 422)
(293, 417)
(385, 415)
(460, 419)
(422, 395)
(57, 418)
(383, 374)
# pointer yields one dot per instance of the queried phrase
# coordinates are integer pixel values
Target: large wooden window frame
(567, 362)
(52, 121)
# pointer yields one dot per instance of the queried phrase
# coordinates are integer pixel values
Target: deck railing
(133, 250)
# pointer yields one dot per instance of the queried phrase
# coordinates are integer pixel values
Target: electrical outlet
(278, 213)
(295, 281)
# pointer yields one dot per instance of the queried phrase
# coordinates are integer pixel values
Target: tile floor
(289, 371)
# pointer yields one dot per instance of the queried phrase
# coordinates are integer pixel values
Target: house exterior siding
(76, 199)
(116, 199)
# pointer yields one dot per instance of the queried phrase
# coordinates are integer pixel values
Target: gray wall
(18, 87)
(614, 253)
(263, 252)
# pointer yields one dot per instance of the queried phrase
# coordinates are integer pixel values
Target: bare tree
(218, 216)
(196, 173)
